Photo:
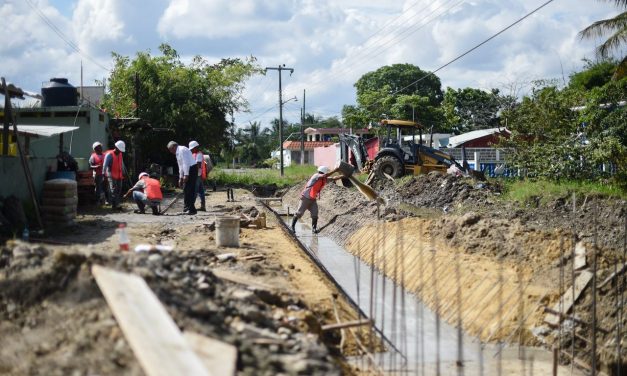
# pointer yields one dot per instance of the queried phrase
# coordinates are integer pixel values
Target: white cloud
(330, 43)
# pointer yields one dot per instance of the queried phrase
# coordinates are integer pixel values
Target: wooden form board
(580, 284)
(219, 357)
(155, 339)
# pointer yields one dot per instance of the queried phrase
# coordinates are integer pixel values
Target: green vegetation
(523, 191)
(247, 177)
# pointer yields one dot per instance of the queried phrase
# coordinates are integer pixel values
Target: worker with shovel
(311, 193)
(147, 191)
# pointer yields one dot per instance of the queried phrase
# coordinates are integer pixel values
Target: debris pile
(54, 319)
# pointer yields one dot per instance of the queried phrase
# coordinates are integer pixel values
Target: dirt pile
(54, 320)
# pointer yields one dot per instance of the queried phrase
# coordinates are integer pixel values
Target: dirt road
(267, 299)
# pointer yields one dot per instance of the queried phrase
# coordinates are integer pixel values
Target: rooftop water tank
(58, 92)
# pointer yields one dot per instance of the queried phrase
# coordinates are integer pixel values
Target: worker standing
(311, 193)
(188, 173)
(194, 147)
(147, 191)
(96, 161)
(113, 169)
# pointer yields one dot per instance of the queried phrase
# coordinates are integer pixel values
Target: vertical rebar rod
(572, 280)
(460, 332)
(622, 298)
(421, 310)
(594, 292)
(561, 295)
(434, 281)
(499, 364)
(617, 307)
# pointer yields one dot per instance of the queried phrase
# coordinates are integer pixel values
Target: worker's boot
(293, 227)
(155, 210)
(314, 225)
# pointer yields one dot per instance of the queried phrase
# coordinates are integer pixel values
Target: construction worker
(96, 161)
(194, 147)
(113, 169)
(311, 193)
(188, 174)
(147, 191)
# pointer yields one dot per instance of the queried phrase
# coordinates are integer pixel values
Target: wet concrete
(426, 345)
(414, 329)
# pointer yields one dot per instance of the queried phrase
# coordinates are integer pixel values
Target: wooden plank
(580, 284)
(152, 334)
(344, 325)
(580, 256)
(217, 356)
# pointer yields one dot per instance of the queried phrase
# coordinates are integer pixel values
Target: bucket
(227, 231)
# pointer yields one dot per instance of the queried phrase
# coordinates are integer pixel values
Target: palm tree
(617, 27)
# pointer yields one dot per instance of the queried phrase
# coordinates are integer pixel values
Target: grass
(247, 177)
(524, 190)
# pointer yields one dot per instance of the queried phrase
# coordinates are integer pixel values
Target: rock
(469, 219)
(155, 258)
(21, 251)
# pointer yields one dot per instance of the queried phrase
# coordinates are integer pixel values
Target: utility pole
(281, 68)
(302, 132)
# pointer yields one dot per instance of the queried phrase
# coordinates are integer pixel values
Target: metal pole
(281, 120)
(5, 129)
(302, 133)
(280, 69)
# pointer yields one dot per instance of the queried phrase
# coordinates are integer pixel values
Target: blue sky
(329, 43)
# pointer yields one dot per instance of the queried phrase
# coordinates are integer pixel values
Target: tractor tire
(389, 165)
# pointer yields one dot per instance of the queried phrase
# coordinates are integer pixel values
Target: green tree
(471, 109)
(545, 137)
(616, 27)
(594, 74)
(396, 90)
(192, 100)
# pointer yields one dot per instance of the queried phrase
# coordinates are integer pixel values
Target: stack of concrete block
(60, 198)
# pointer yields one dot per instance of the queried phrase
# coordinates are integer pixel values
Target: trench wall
(493, 300)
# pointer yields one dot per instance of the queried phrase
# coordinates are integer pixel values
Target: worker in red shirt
(147, 191)
(311, 193)
(96, 161)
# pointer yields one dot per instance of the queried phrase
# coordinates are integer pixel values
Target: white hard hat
(95, 145)
(142, 174)
(121, 146)
(193, 144)
(323, 169)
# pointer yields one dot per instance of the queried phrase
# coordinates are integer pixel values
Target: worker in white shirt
(188, 173)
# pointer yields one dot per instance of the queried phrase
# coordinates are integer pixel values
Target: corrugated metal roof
(44, 130)
(455, 141)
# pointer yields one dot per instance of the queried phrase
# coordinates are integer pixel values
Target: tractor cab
(402, 151)
(400, 139)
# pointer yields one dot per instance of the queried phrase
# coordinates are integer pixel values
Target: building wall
(92, 125)
(14, 181)
(327, 155)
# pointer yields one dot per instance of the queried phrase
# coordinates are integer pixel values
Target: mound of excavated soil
(54, 320)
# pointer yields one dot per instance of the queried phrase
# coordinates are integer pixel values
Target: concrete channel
(402, 318)
(421, 343)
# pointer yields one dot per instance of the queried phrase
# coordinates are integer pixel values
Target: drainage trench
(416, 339)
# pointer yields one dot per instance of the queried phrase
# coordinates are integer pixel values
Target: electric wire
(63, 37)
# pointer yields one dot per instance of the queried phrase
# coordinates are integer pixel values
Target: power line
(383, 44)
(60, 34)
(475, 47)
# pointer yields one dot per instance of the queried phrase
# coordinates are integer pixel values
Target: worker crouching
(147, 191)
(309, 196)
